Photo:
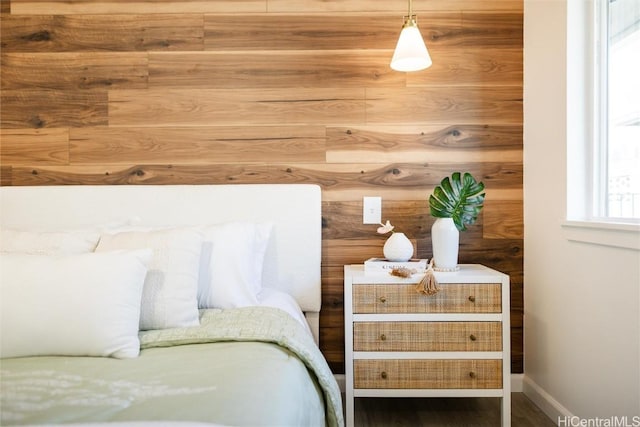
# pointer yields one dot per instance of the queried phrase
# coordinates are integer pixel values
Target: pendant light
(411, 54)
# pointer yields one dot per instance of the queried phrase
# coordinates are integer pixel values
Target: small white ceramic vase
(445, 239)
(398, 248)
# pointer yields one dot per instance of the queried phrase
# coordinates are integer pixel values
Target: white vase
(398, 248)
(445, 239)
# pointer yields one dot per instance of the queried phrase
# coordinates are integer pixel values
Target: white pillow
(47, 242)
(73, 305)
(270, 297)
(169, 298)
(232, 264)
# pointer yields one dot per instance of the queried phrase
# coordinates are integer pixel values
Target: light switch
(371, 210)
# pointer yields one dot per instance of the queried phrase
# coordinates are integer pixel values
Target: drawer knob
(383, 375)
(472, 337)
(383, 299)
(472, 298)
(383, 337)
(472, 374)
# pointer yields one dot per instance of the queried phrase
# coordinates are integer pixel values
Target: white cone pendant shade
(411, 54)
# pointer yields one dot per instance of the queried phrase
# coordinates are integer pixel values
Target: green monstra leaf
(458, 197)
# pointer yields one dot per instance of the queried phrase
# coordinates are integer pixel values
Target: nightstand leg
(506, 410)
(349, 410)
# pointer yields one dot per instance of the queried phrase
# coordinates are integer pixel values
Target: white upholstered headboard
(293, 254)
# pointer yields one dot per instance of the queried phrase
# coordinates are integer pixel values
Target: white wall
(582, 301)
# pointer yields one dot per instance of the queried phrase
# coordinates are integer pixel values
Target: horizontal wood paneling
(425, 143)
(254, 91)
(473, 105)
(54, 7)
(331, 177)
(202, 107)
(332, 69)
(317, 32)
(239, 6)
(6, 176)
(36, 109)
(74, 71)
(390, 5)
(503, 219)
(18, 147)
(198, 145)
(489, 29)
(102, 33)
(466, 66)
(362, 68)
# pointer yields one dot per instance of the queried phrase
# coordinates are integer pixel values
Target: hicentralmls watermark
(615, 421)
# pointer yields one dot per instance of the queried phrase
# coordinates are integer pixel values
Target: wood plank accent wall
(254, 91)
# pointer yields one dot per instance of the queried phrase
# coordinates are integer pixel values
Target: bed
(163, 305)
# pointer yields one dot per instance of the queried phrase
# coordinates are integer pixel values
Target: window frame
(600, 105)
(586, 98)
(600, 197)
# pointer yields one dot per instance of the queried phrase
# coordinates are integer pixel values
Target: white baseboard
(516, 382)
(545, 401)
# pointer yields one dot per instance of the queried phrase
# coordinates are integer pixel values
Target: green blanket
(180, 373)
(262, 324)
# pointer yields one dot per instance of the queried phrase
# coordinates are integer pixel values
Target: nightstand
(401, 343)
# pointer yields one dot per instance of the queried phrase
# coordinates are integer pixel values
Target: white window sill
(612, 234)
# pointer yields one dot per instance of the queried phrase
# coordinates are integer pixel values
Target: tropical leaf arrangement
(459, 197)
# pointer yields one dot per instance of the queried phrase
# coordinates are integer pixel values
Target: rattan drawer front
(427, 336)
(428, 373)
(452, 298)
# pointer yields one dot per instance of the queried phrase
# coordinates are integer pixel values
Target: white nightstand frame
(468, 273)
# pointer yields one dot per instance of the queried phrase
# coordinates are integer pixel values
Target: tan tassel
(428, 285)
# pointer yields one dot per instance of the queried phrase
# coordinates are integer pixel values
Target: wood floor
(446, 412)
